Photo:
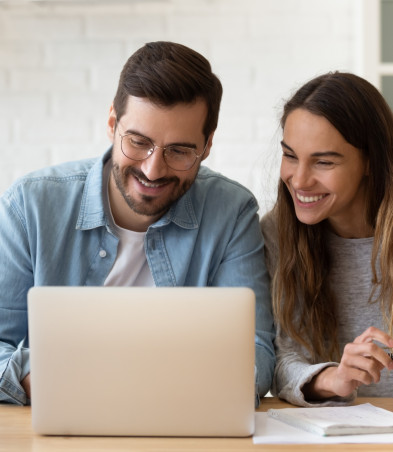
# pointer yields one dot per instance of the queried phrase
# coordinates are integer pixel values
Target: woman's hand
(361, 363)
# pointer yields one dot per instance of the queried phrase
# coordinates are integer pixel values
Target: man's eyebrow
(183, 144)
(135, 132)
(315, 154)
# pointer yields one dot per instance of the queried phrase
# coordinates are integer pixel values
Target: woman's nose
(302, 177)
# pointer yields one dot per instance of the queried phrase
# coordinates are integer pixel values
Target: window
(378, 45)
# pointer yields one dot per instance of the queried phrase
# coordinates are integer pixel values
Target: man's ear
(208, 146)
(111, 125)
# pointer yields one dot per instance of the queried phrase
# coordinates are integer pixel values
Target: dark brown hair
(167, 73)
(304, 302)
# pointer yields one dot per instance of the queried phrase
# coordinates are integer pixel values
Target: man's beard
(148, 205)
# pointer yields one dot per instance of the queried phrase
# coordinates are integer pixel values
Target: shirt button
(102, 253)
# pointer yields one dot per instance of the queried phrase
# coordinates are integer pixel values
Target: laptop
(127, 361)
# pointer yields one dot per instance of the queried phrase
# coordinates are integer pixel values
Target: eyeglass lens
(180, 158)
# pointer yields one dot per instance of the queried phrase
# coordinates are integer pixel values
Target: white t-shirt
(130, 267)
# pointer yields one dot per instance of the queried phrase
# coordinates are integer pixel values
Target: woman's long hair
(304, 303)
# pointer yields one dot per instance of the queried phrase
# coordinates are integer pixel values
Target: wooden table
(16, 434)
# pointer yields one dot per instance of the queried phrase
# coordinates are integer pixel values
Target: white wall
(60, 62)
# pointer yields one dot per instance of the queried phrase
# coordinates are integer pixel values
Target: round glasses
(177, 157)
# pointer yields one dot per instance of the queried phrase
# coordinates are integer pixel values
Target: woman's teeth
(306, 199)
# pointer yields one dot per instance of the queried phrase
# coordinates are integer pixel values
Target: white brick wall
(60, 63)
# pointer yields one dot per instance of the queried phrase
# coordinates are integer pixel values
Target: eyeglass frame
(154, 146)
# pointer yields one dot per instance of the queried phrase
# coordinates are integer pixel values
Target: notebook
(123, 361)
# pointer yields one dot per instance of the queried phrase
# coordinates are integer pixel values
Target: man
(144, 214)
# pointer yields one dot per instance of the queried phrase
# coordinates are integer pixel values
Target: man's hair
(304, 302)
(167, 73)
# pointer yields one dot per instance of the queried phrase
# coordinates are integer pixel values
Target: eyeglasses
(177, 157)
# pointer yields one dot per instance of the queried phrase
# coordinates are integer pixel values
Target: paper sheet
(272, 431)
(339, 420)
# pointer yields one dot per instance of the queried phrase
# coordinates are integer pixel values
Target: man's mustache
(130, 171)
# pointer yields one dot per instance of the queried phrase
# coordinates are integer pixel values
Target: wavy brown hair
(304, 303)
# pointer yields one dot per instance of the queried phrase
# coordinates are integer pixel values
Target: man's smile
(149, 184)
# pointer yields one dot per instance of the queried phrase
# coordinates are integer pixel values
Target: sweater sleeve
(294, 367)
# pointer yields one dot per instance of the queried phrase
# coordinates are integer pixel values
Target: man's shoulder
(57, 184)
(210, 181)
(52, 176)
(67, 170)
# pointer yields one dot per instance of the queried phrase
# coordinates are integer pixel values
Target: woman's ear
(111, 125)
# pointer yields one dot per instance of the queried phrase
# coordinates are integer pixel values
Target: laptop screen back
(142, 361)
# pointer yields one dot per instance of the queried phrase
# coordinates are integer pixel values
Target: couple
(148, 214)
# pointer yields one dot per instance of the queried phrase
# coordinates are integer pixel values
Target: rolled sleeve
(13, 370)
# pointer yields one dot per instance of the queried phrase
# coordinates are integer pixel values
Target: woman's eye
(288, 156)
(325, 163)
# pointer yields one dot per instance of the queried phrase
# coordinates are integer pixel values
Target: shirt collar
(181, 213)
(92, 212)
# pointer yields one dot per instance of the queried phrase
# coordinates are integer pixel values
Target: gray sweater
(350, 278)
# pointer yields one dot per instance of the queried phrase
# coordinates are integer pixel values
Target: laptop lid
(142, 361)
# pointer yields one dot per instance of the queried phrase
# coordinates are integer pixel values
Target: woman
(329, 244)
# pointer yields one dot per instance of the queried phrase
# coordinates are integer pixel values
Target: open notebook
(142, 361)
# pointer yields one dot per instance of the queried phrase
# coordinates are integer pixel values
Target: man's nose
(155, 167)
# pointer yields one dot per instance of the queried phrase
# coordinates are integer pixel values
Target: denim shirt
(54, 231)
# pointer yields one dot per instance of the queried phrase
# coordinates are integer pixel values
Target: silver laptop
(123, 361)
